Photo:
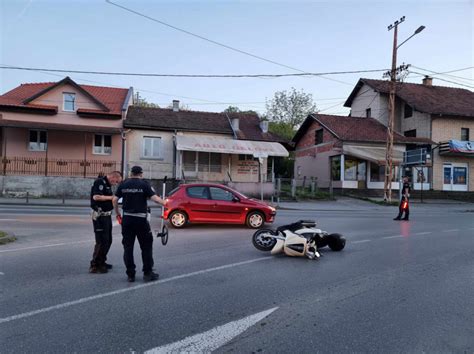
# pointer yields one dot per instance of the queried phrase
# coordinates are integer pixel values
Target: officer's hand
(119, 219)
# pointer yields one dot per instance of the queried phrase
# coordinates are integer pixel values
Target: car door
(226, 206)
(197, 203)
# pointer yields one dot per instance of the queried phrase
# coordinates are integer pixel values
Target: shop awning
(374, 154)
(230, 146)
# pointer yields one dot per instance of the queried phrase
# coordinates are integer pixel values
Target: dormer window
(69, 102)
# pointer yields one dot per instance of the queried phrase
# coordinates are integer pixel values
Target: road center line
(45, 246)
(452, 230)
(424, 233)
(125, 290)
(361, 241)
(394, 236)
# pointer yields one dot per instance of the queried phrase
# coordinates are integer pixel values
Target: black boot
(398, 218)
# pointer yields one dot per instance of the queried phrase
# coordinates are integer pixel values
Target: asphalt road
(397, 287)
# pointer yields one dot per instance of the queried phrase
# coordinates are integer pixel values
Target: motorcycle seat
(308, 223)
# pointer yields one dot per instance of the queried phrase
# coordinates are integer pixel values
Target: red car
(215, 203)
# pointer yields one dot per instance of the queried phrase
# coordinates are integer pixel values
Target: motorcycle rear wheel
(262, 242)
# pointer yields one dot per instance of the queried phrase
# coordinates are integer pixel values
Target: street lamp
(391, 108)
(418, 30)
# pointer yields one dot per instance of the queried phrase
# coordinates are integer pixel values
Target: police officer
(101, 204)
(405, 195)
(135, 192)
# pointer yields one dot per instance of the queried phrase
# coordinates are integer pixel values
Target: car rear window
(197, 192)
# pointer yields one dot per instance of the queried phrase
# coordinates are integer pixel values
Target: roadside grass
(6, 238)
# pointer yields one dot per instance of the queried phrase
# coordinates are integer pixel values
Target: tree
(290, 107)
(142, 102)
(285, 130)
(235, 109)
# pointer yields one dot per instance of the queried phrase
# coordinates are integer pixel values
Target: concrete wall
(154, 168)
(312, 160)
(445, 129)
(369, 98)
(419, 121)
(50, 187)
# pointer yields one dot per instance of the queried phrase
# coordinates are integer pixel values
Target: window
(465, 134)
(350, 169)
(151, 147)
(408, 111)
(336, 168)
(318, 137)
(189, 161)
(38, 140)
(246, 157)
(102, 144)
(410, 133)
(221, 194)
(69, 102)
(368, 112)
(197, 192)
(203, 161)
(377, 173)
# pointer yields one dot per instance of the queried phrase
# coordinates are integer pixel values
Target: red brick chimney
(428, 81)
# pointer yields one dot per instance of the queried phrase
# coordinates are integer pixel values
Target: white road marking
(125, 290)
(394, 236)
(1, 273)
(44, 246)
(424, 233)
(10, 220)
(361, 241)
(452, 230)
(213, 339)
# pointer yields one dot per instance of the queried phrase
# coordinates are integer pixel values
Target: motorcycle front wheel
(263, 240)
(336, 242)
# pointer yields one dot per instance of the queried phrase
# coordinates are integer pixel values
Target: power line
(9, 67)
(452, 82)
(215, 42)
(448, 72)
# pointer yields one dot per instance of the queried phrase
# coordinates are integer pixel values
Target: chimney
(264, 126)
(428, 81)
(235, 123)
(175, 105)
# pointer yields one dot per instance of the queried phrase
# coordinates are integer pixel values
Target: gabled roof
(439, 100)
(167, 119)
(355, 129)
(110, 99)
(249, 128)
(196, 121)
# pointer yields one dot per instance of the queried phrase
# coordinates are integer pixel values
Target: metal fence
(32, 166)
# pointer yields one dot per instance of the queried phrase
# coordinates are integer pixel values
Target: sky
(311, 36)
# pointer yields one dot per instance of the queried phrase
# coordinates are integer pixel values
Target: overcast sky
(312, 36)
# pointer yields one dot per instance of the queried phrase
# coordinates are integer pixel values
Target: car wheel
(255, 220)
(178, 219)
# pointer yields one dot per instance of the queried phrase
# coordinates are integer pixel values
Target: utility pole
(391, 118)
(391, 105)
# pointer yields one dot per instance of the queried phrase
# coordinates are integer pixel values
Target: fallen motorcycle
(299, 239)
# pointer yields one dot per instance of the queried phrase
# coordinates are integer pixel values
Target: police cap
(136, 170)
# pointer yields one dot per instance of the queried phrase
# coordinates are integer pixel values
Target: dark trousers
(132, 227)
(401, 210)
(103, 240)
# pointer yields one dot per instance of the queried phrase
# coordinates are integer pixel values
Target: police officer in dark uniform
(101, 204)
(134, 193)
(405, 195)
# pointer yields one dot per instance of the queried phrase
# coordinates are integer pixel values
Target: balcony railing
(33, 166)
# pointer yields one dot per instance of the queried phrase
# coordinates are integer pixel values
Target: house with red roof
(62, 129)
(233, 148)
(346, 152)
(445, 115)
